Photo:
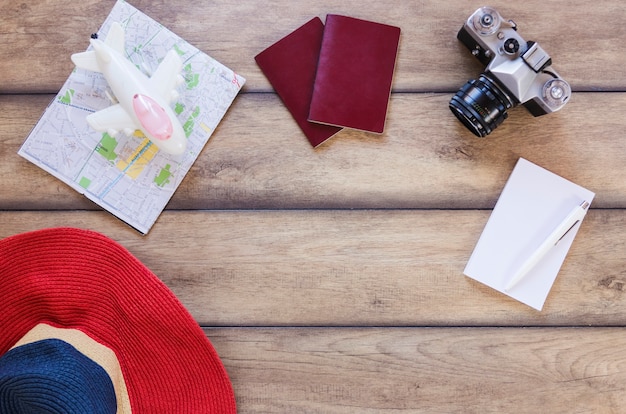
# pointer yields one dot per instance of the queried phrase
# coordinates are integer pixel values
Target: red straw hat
(65, 290)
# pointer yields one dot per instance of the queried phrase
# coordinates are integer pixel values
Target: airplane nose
(152, 117)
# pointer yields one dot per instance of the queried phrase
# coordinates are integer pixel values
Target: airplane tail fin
(115, 40)
(115, 37)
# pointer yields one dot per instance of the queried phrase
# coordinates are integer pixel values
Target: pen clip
(568, 230)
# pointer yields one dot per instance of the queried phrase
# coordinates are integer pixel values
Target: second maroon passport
(354, 73)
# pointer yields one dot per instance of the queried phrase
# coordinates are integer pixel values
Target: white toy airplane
(143, 103)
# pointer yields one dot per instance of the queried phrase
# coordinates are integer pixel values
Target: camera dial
(486, 21)
(556, 92)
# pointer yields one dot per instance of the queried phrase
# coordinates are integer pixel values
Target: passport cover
(354, 73)
(289, 66)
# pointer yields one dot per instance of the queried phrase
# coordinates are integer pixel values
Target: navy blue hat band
(51, 376)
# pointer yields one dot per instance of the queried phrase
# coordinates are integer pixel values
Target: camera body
(517, 72)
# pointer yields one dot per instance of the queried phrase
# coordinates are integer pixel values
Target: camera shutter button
(511, 46)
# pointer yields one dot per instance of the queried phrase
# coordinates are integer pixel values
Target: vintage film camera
(517, 72)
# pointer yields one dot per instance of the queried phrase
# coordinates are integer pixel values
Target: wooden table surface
(330, 279)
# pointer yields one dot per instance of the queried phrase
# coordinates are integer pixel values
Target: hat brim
(77, 279)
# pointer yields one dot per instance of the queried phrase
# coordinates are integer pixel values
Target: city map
(127, 175)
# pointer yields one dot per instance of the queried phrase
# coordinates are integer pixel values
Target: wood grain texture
(330, 279)
(258, 158)
(353, 268)
(430, 58)
(372, 370)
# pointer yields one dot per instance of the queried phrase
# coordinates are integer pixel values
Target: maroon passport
(290, 65)
(354, 73)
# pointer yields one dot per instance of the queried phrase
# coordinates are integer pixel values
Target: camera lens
(480, 105)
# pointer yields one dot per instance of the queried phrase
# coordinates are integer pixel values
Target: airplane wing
(112, 118)
(167, 76)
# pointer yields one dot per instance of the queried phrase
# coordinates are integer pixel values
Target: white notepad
(533, 202)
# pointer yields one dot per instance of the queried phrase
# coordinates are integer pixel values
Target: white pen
(576, 215)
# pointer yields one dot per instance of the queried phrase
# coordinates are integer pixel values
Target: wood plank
(258, 158)
(406, 370)
(330, 280)
(430, 57)
(353, 268)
